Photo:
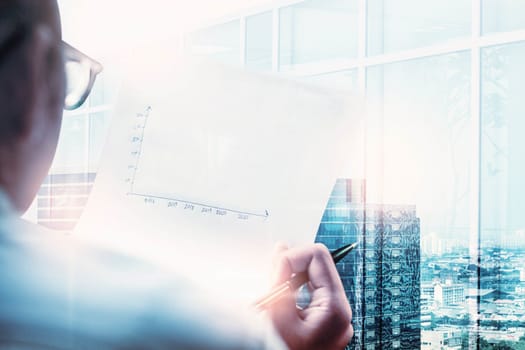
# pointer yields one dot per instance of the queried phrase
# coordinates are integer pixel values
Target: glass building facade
(382, 277)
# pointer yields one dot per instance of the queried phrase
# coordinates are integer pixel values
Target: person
(59, 292)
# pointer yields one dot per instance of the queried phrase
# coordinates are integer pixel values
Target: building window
(370, 307)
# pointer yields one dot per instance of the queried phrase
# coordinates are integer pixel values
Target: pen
(298, 280)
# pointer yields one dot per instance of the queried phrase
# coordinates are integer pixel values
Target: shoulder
(57, 289)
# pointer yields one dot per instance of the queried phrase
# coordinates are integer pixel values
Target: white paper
(206, 167)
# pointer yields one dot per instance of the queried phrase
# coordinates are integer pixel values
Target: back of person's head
(32, 87)
(18, 20)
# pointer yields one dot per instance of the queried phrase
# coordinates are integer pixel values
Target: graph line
(265, 215)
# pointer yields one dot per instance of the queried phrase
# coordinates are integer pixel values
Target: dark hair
(17, 19)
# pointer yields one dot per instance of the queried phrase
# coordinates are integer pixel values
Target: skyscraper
(381, 278)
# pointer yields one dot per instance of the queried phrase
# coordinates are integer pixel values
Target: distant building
(441, 339)
(426, 312)
(431, 244)
(488, 295)
(449, 294)
(382, 277)
(427, 290)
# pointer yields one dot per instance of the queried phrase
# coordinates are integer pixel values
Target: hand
(326, 322)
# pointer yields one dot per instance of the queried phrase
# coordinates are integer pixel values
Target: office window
(502, 189)
(220, 42)
(310, 32)
(424, 102)
(502, 15)
(259, 42)
(395, 25)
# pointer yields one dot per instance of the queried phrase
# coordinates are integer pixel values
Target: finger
(278, 250)
(317, 262)
(281, 266)
(327, 292)
(280, 247)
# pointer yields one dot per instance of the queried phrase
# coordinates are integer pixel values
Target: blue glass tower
(381, 278)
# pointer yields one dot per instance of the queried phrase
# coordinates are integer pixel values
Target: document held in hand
(208, 161)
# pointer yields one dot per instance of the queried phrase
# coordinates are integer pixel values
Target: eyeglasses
(81, 72)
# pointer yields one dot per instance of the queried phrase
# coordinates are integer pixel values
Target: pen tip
(340, 253)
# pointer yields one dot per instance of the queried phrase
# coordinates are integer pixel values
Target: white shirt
(60, 293)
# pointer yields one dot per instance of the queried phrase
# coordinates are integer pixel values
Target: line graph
(139, 177)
